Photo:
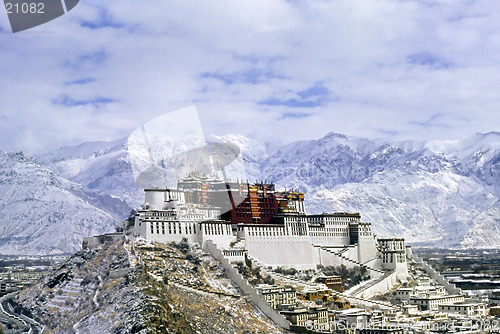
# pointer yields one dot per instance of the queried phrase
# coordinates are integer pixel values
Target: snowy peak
(82, 151)
(357, 144)
(249, 147)
(336, 159)
(486, 145)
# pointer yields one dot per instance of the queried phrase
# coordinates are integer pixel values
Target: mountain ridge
(444, 191)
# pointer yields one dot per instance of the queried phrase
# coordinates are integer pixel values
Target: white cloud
(388, 67)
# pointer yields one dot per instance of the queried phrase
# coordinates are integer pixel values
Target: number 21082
(25, 8)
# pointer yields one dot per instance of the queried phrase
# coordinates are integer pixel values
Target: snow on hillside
(102, 166)
(439, 208)
(41, 212)
(252, 153)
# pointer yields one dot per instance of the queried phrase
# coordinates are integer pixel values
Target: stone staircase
(248, 291)
(362, 287)
(345, 249)
(372, 271)
(365, 301)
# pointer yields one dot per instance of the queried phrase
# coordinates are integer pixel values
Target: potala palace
(270, 226)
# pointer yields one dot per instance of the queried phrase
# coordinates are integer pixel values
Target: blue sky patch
(252, 76)
(314, 96)
(431, 122)
(82, 81)
(317, 90)
(67, 101)
(104, 20)
(427, 59)
(295, 115)
(293, 103)
(86, 59)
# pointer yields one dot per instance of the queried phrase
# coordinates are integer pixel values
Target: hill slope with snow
(41, 212)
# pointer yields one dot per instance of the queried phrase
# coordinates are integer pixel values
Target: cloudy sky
(273, 70)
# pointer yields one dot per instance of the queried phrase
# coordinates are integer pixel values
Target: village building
(276, 296)
(426, 302)
(312, 318)
(468, 309)
(315, 293)
(331, 282)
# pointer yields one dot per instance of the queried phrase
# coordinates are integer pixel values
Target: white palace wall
(295, 240)
(162, 226)
(286, 245)
(217, 231)
(291, 245)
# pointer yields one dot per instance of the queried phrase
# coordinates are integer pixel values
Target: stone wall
(92, 242)
(450, 288)
(382, 286)
(246, 288)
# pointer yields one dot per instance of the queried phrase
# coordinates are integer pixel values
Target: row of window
(172, 228)
(263, 213)
(389, 258)
(159, 214)
(188, 228)
(328, 234)
(298, 229)
(217, 229)
(392, 244)
(330, 229)
(266, 231)
(231, 252)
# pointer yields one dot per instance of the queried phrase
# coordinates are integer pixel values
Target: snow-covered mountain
(439, 193)
(106, 166)
(102, 166)
(252, 153)
(41, 212)
(442, 192)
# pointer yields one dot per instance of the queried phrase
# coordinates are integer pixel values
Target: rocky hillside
(41, 212)
(147, 288)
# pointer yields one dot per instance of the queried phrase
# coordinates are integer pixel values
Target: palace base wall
(286, 251)
(352, 253)
(374, 263)
(168, 238)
